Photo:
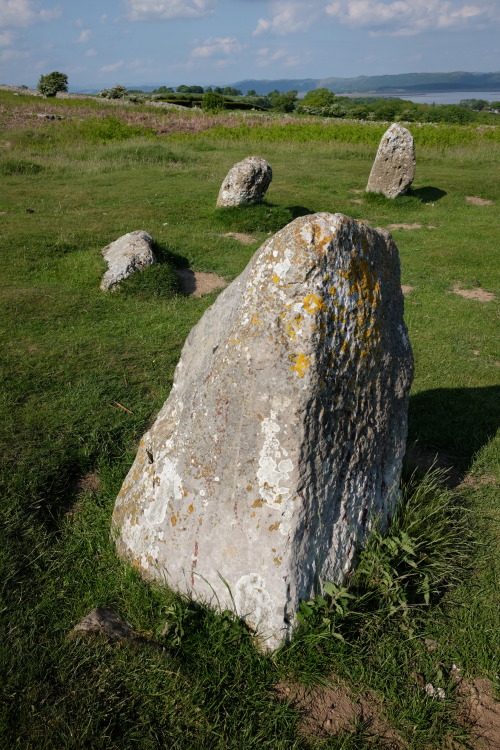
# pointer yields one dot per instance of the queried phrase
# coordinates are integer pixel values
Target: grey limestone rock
(394, 167)
(283, 436)
(131, 252)
(245, 183)
(103, 621)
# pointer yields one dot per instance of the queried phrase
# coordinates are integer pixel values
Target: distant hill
(402, 83)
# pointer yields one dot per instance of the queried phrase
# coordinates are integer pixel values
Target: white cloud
(13, 54)
(85, 36)
(91, 53)
(289, 17)
(163, 10)
(266, 57)
(25, 13)
(113, 66)
(410, 17)
(7, 38)
(218, 46)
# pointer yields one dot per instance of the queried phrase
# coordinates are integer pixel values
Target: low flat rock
(131, 252)
(246, 183)
(394, 167)
(283, 436)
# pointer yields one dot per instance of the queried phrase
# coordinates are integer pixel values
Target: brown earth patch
(480, 713)
(407, 289)
(405, 226)
(357, 192)
(478, 294)
(359, 201)
(197, 283)
(327, 711)
(89, 482)
(246, 239)
(478, 201)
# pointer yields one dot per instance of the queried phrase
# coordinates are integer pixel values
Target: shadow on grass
(262, 217)
(455, 421)
(427, 194)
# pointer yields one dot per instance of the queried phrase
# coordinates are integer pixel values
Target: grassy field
(425, 597)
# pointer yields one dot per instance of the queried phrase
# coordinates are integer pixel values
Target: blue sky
(99, 43)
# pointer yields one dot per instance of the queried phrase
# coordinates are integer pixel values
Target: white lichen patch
(274, 465)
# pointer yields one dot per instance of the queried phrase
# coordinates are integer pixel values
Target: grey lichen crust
(245, 183)
(283, 435)
(129, 253)
(394, 167)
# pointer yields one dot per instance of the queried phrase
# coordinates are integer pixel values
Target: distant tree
(182, 89)
(251, 92)
(318, 98)
(284, 102)
(208, 90)
(50, 84)
(163, 90)
(230, 91)
(117, 92)
(218, 90)
(212, 102)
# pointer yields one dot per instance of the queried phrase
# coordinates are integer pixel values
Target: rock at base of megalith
(130, 253)
(394, 167)
(246, 183)
(282, 439)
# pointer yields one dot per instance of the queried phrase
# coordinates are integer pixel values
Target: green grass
(71, 353)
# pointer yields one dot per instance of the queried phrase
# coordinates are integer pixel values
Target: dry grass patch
(477, 294)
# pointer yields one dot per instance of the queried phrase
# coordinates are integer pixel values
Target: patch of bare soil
(480, 713)
(407, 289)
(90, 482)
(246, 239)
(424, 459)
(357, 192)
(359, 201)
(328, 711)
(478, 201)
(405, 226)
(197, 283)
(478, 294)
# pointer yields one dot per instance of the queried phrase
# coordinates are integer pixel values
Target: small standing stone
(394, 167)
(246, 182)
(283, 436)
(130, 253)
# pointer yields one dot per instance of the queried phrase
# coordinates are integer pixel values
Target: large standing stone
(130, 253)
(394, 167)
(283, 436)
(246, 182)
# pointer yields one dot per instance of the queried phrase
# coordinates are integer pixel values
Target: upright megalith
(129, 253)
(394, 167)
(283, 435)
(246, 183)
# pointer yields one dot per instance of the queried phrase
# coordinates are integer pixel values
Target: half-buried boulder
(394, 167)
(283, 435)
(246, 183)
(130, 253)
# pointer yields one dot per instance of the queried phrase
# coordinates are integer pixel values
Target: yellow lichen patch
(277, 560)
(276, 278)
(293, 327)
(258, 503)
(255, 319)
(301, 364)
(173, 520)
(275, 526)
(313, 302)
(190, 508)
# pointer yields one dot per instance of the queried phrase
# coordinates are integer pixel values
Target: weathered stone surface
(285, 429)
(246, 182)
(130, 253)
(394, 167)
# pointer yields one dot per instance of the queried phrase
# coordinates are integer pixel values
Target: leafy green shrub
(12, 167)
(212, 102)
(51, 83)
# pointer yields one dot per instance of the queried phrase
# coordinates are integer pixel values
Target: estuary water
(451, 97)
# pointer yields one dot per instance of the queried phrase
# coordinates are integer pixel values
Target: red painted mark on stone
(195, 562)
(345, 517)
